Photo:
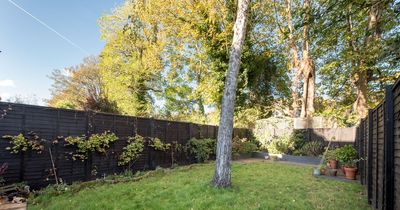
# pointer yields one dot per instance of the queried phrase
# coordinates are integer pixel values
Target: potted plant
(332, 159)
(322, 170)
(347, 156)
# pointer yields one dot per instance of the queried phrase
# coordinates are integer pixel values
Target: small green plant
(331, 154)
(131, 151)
(201, 149)
(20, 143)
(347, 155)
(281, 145)
(312, 148)
(157, 144)
(242, 146)
(96, 142)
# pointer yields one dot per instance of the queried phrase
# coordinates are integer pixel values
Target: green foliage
(157, 144)
(312, 148)
(96, 143)
(201, 149)
(240, 146)
(347, 155)
(297, 137)
(131, 151)
(20, 143)
(81, 88)
(331, 154)
(181, 59)
(281, 145)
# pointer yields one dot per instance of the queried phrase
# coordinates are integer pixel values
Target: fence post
(88, 162)
(369, 156)
(152, 135)
(389, 148)
(22, 153)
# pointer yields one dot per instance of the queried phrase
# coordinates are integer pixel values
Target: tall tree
(307, 66)
(222, 176)
(354, 41)
(80, 87)
(183, 68)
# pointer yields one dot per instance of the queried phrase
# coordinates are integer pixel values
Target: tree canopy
(168, 59)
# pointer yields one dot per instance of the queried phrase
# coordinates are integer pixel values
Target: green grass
(262, 185)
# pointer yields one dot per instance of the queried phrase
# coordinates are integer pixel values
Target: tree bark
(360, 76)
(294, 66)
(307, 66)
(222, 176)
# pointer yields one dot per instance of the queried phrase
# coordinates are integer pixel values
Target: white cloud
(7, 83)
(4, 96)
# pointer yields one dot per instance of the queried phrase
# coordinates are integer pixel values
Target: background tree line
(168, 59)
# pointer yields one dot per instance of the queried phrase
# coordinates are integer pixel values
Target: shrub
(131, 151)
(157, 144)
(20, 143)
(331, 154)
(283, 144)
(201, 149)
(297, 137)
(347, 155)
(243, 146)
(312, 148)
(96, 142)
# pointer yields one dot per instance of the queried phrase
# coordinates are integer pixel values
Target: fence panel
(378, 143)
(53, 125)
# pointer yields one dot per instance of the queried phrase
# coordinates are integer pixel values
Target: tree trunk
(307, 66)
(222, 176)
(360, 77)
(294, 66)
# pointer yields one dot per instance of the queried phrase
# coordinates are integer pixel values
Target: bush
(201, 149)
(131, 151)
(243, 146)
(312, 148)
(288, 144)
(331, 154)
(297, 137)
(347, 155)
(283, 144)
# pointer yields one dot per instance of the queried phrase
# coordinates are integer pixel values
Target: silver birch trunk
(222, 176)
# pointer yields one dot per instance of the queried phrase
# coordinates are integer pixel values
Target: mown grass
(261, 185)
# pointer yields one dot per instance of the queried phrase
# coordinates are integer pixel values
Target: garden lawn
(260, 185)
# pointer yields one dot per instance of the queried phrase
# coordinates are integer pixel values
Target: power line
(50, 28)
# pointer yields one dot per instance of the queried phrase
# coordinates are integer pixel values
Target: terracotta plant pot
(343, 171)
(333, 164)
(350, 173)
(323, 171)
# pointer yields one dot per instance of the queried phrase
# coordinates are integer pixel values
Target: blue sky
(30, 51)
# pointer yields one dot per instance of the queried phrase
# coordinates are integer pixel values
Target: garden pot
(316, 172)
(350, 173)
(332, 172)
(322, 171)
(344, 171)
(333, 164)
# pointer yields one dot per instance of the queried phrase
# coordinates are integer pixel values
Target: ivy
(20, 143)
(157, 144)
(96, 143)
(131, 151)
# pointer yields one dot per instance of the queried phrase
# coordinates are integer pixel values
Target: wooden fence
(378, 144)
(52, 124)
